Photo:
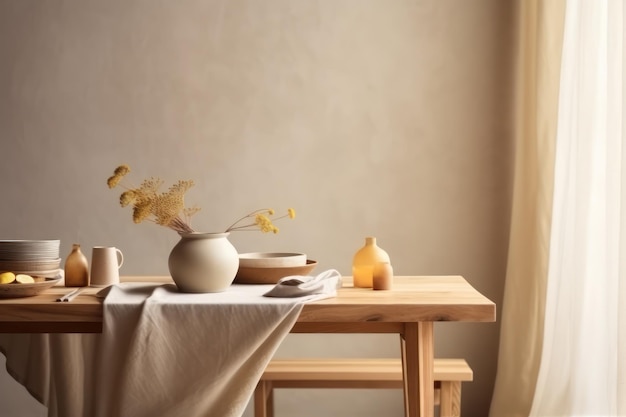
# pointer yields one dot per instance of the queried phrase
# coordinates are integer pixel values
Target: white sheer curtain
(583, 360)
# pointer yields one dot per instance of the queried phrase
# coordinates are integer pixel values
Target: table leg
(417, 363)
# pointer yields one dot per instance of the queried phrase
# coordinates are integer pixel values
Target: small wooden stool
(358, 373)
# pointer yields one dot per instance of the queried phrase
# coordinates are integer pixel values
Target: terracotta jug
(76, 268)
(364, 261)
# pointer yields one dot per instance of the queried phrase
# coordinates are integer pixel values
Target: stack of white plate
(32, 257)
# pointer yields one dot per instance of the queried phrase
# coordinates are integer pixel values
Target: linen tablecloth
(161, 353)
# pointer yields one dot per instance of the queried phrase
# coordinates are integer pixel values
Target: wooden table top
(412, 299)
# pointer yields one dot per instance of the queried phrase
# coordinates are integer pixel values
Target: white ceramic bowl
(271, 259)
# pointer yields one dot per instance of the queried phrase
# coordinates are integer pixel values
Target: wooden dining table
(409, 309)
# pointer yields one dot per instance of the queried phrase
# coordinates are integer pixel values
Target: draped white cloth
(583, 361)
(161, 353)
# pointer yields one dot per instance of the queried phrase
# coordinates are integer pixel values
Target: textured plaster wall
(384, 118)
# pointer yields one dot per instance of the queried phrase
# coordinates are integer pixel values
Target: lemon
(24, 279)
(7, 277)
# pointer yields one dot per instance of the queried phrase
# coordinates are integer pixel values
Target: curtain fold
(580, 361)
(540, 29)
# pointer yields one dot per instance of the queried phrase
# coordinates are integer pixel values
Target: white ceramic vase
(203, 262)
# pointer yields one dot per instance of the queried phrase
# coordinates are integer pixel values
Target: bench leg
(270, 401)
(264, 399)
(450, 405)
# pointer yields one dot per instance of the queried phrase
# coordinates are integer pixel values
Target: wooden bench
(358, 373)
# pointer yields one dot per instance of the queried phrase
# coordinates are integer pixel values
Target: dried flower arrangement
(168, 208)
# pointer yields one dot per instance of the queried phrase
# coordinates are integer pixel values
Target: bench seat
(358, 373)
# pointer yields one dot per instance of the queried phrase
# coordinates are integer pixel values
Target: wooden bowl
(258, 275)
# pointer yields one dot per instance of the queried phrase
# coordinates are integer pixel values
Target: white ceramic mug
(105, 266)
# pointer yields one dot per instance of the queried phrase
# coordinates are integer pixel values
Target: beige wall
(370, 117)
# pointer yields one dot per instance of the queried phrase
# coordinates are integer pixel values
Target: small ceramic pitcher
(105, 266)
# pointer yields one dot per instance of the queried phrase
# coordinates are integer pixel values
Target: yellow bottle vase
(364, 261)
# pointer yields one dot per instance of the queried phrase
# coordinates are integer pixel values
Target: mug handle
(120, 258)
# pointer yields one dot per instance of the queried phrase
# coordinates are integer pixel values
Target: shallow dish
(27, 290)
(271, 259)
(253, 275)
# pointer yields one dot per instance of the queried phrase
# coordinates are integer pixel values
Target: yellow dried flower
(260, 220)
(181, 187)
(190, 211)
(150, 187)
(141, 212)
(128, 197)
(122, 170)
(264, 223)
(113, 181)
